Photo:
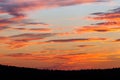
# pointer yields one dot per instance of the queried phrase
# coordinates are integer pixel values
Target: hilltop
(21, 73)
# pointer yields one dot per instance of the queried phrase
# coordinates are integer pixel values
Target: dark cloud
(36, 23)
(31, 36)
(102, 30)
(112, 16)
(33, 29)
(3, 28)
(84, 46)
(117, 40)
(18, 55)
(77, 40)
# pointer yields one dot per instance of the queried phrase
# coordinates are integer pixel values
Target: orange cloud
(4, 39)
(97, 29)
(18, 44)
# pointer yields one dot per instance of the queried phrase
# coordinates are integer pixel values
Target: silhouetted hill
(20, 73)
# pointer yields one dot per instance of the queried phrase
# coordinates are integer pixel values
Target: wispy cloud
(77, 40)
(22, 40)
(112, 17)
(84, 46)
(33, 29)
(110, 22)
(117, 40)
(19, 55)
(97, 28)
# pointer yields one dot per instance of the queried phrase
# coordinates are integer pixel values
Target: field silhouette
(21, 73)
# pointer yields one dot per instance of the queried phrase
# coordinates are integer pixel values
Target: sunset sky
(60, 34)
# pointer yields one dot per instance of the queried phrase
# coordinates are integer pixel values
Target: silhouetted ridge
(21, 73)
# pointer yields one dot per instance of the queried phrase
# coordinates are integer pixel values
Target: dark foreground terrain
(17, 73)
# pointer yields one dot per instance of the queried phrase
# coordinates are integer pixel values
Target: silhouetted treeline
(17, 73)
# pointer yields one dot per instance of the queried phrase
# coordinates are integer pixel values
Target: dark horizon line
(60, 69)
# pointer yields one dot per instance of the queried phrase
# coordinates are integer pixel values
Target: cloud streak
(110, 22)
(22, 40)
(76, 40)
(85, 46)
(33, 29)
(97, 28)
